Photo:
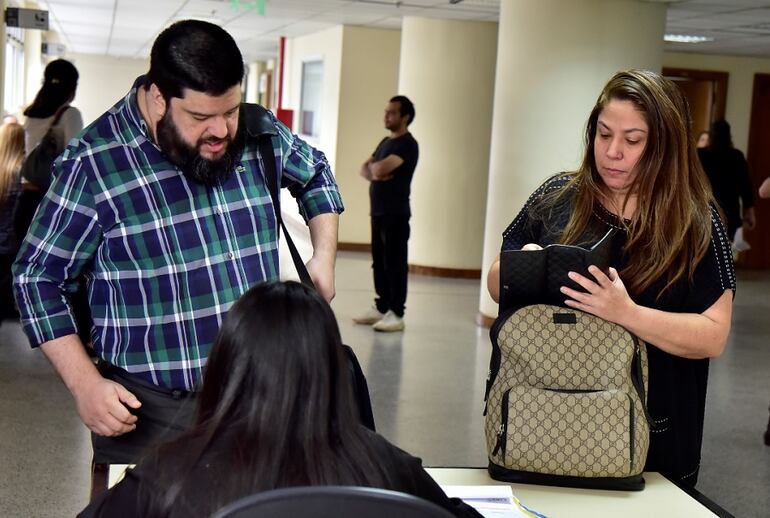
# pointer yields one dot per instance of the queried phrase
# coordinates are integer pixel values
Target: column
(553, 58)
(447, 69)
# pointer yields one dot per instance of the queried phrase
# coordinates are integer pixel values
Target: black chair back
(332, 502)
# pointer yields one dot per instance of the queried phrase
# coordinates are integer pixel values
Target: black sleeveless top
(677, 386)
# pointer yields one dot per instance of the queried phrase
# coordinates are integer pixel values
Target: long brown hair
(670, 231)
(11, 156)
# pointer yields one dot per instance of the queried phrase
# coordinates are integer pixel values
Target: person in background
(764, 192)
(390, 169)
(161, 204)
(11, 158)
(703, 140)
(276, 411)
(50, 109)
(728, 172)
(672, 279)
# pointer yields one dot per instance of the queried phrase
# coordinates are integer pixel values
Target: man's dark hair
(197, 55)
(407, 108)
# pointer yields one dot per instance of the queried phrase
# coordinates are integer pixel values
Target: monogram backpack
(565, 398)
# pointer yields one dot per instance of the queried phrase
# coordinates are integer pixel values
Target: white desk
(659, 498)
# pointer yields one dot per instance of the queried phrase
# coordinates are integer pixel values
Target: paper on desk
(492, 501)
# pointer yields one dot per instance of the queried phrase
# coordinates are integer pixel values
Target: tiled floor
(426, 386)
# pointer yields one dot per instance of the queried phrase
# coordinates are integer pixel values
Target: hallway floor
(426, 385)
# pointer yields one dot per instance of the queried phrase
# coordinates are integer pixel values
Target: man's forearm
(68, 356)
(323, 235)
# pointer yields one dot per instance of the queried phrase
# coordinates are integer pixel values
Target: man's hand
(102, 404)
(322, 273)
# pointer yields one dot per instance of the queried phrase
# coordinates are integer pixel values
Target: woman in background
(728, 172)
(672, 278)
(276, 410)
(11, 158)
(50, 109)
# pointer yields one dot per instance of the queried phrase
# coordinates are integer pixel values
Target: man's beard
(188, 158)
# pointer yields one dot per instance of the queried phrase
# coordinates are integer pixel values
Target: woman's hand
(607, 296)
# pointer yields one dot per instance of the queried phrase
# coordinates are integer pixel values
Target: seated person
(276, 410)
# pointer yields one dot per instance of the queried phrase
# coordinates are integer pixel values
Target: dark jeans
(390, 234)
(164, 414)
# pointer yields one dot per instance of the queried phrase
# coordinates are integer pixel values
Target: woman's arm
(493, 279)
(689, 335)
(764, 189)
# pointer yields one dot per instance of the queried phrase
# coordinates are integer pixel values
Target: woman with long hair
(728, 172)
(276, 410)
(11, 158)
(49, 110)
(672, 278)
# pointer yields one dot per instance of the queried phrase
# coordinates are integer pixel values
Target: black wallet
(536, 276)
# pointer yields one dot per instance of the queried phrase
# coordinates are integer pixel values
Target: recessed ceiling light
(686, 38)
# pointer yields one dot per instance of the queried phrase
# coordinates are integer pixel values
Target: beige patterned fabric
(563, 401)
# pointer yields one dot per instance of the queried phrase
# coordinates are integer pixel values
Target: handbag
(260, 126)
(36, 168)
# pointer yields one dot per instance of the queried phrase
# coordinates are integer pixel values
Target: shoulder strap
(59, 114)
(260, 127)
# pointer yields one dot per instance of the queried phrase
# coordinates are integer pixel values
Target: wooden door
(758, 155)
(706, 93)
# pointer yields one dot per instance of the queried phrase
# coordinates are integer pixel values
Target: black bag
(535, 276)
(38, 164)
(259, 126)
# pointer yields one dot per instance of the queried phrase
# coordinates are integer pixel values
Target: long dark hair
(720, 137)
(60, 80)
(671, 230)
(276, 409)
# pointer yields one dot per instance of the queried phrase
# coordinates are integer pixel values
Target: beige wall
(325, 45)
(369, 78)
(448, 71)
(739, 85)
(103, 81)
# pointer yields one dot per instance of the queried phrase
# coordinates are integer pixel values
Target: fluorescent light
(686, 38)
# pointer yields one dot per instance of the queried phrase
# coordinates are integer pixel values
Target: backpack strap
(260, 127)
(58, 115)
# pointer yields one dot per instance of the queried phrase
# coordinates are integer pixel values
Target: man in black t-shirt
(390, 170)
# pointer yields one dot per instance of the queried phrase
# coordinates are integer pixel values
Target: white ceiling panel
(128, 27)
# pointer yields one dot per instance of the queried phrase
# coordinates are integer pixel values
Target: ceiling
(128, 27)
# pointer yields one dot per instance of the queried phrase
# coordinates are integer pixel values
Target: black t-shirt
(677, 386)
(392, 196)
(728, 173)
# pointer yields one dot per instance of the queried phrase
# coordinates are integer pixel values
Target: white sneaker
(371, 316)
(389, 323)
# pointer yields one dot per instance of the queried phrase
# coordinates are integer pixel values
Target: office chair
(331, 502)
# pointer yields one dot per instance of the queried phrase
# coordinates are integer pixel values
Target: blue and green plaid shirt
(164, 257)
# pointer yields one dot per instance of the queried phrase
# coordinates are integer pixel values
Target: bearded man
(162, 206)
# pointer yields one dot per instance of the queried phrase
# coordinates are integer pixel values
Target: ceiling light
(686, 38)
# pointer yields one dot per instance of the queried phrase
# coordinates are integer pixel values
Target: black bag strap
(260, 127)
(58, 115)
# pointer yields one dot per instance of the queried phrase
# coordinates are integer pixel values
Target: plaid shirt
(164, 257)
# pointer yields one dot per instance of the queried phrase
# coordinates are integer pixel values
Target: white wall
(326, 46)
(104, 80)
(739, 85)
